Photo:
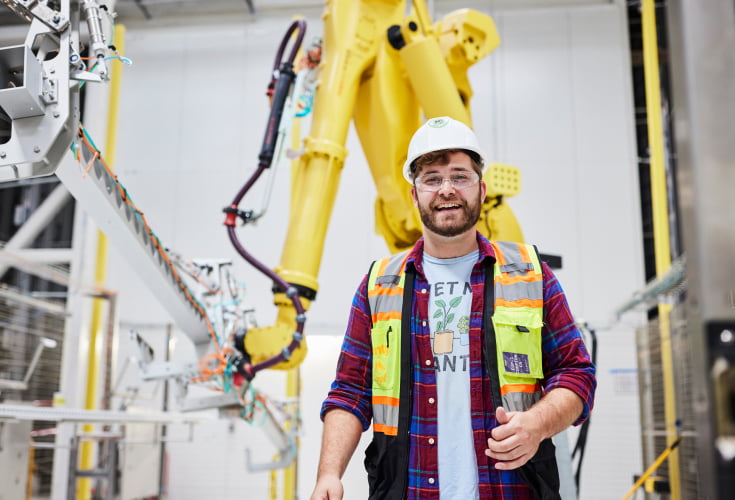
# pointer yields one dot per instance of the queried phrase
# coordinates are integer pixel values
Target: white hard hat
(441, 133)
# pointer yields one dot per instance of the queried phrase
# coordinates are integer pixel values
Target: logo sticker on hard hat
(438, 122)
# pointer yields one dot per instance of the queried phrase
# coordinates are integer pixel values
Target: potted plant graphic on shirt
(463, 325)
(443, 336)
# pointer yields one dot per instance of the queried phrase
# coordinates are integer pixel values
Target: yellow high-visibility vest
(517, 321)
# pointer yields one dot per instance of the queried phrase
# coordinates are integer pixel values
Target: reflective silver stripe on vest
(516, 266)
(388, 279)
(386, 303)
(385, 397)
(519, 291)
(394, 264)
(514, 261)
(391, 277)
(520, 401)
(514, 388)
(385, 414)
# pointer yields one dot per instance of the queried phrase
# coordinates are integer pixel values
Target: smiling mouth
(447, 206)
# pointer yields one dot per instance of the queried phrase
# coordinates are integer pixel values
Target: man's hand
(342, 431)
(515, 440)
(328, 488)
(519, 433)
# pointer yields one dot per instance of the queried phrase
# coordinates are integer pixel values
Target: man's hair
(441, 157)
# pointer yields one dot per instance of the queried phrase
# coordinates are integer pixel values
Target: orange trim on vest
(529, 388)
(385, 316)
(385, 400)
(519, 303)
(510, 280)
(389, 290)
(523, 250)
(385, 429)
(381, 269)
(499, 257)
(403, 264)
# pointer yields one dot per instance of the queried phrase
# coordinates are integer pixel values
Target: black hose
(282, 88)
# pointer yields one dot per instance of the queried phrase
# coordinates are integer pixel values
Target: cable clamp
(286, 353)
(301, 318)
(298, 337)
(232, 212)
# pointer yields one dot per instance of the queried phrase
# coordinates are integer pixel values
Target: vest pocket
(386, 355)
(519, 349)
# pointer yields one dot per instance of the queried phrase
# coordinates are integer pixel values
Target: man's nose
(445, 181)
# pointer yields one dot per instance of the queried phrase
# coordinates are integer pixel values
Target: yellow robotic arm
(387, 71)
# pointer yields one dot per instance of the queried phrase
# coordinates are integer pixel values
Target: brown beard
(471, 214)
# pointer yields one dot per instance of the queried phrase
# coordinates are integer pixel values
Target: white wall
(554, 99)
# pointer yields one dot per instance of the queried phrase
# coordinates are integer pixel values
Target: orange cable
(221, 350)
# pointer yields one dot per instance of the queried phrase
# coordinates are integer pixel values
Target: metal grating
(651, 390)
(684, 394)
(22, 327)
(651, 393)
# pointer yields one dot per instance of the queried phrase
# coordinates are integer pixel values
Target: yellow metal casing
(263, 343)
(350, 41)
(465, 37)
(502, 180)
(497, 220)
(429, 75)
(387, 92)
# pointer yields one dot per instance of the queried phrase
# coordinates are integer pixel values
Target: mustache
(453, 199)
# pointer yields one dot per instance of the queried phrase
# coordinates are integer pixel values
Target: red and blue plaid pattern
(566, 364)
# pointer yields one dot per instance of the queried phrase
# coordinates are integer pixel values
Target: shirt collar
(416, 255)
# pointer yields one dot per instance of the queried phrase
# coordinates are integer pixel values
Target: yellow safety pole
(655, 465)
(273, 484)
(293, 376)
(31, 470)
(100, 273)
(290, 474)
(661, 242)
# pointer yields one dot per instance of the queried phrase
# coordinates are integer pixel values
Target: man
(462, 352)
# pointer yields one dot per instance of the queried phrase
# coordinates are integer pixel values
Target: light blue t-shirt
(450, 303)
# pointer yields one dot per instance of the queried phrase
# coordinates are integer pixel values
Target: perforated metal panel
(653, 422)
(684, 394)
(22, 327)
(14, 449)
(651, 392)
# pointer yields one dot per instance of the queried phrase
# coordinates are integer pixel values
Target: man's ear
(413, 196)
(483, 189)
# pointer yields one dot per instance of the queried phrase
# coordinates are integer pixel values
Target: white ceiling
(188, 7)
(162, 10)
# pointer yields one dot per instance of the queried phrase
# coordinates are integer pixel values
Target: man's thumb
(501, 416)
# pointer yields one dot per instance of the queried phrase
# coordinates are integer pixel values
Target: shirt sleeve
(566, 360)
(352, 386)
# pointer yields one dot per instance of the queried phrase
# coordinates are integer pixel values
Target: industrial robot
(381, 65)
(384, 67)
(386, 71)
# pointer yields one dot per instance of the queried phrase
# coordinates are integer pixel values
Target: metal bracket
(166, 370)
(18, 385)
(50, 90)
(285, 458)
(38, 9)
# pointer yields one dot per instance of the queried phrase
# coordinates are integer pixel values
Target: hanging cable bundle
(279, 89)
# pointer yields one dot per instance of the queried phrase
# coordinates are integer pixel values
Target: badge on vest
(515, 362)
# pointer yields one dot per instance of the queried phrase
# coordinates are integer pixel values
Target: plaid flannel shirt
(566, 363)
